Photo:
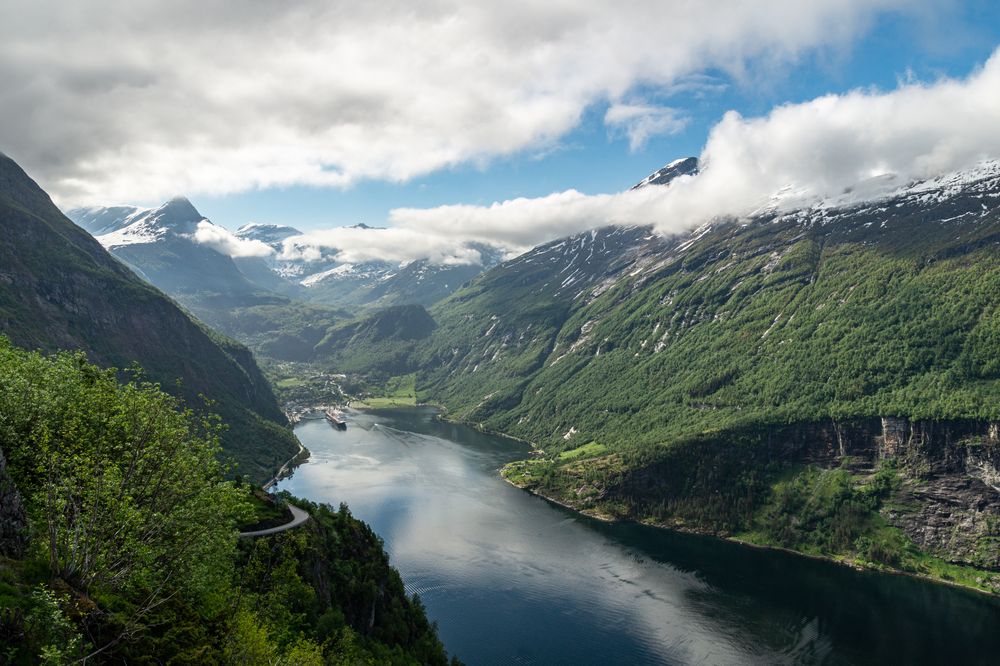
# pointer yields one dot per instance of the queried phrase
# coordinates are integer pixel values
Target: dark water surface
(513, 579)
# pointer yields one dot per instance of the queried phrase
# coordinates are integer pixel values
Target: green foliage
(286, 331)
(832, 511)
(765, 323)
(397, 392)
(51, 635)
(125, 486)
(381, 343)
(817, 510)
(133, 541)
(330, 584)
(589, 450)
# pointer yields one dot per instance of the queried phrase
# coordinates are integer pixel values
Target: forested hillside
(866, 311)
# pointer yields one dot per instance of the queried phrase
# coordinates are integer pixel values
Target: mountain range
(162, 246)
(60, 289)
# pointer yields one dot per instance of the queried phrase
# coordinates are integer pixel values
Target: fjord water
(513, 579)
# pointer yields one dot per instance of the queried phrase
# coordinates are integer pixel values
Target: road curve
(298, 517)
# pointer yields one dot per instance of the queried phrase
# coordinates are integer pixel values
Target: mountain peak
(180, 206)
(178, 213)
(272, 234)
(685, 166)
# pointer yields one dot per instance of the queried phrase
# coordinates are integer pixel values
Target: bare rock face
(13, 520)
(982, 461)
(952, 516)
(894, 436)
(949, 504)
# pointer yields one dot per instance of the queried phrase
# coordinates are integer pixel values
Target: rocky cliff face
(13, 521)
(948, 503)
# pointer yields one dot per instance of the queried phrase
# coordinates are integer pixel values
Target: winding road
(298, 517)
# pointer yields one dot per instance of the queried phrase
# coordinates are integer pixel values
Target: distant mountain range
(160, 245)
(60, 289)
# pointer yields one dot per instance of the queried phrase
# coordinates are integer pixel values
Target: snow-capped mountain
(272, 234)
(383, 283)
(115, 226)
(322, 278)
(931, 220)
(685, 166)
(159, 244)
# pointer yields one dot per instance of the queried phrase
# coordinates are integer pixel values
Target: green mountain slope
(59, 289)
(382, 342)
(771, 321)
(677, 380)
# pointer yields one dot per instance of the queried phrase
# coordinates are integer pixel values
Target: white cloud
(222, 240)
(519, 224)
(640, 122)
(354, 245)
(809, 151)
(103, 101)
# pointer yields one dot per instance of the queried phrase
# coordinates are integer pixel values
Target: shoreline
(857, 566)
(289, 465)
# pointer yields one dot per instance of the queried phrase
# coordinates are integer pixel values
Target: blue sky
(593, 159)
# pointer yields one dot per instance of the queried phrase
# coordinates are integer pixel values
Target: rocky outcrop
(982, 461)
(895, 432)
(952, 516)
(13, 520)
(949, 502)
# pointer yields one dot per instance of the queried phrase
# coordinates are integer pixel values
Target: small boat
(336, 418)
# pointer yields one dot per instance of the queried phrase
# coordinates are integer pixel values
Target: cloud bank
(793, 156)
(105, 101)
(222, 240)
(353, 245)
